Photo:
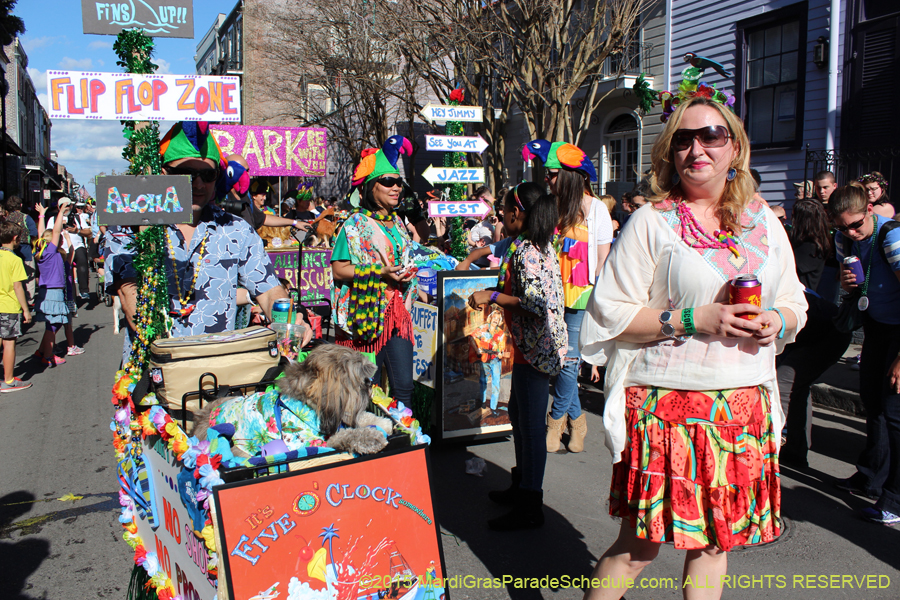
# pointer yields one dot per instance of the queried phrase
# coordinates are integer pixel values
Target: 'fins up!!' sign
(144, 199)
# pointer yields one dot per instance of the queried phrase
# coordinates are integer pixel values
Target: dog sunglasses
(205, 175)
(714, 136)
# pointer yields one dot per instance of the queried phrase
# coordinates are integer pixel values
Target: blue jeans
(396, 356)
(879, 462)
(527, 408)
(491, 369)
(565, 388)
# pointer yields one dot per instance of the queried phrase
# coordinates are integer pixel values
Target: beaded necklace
(690, 226)
(378, 217)
(185, 309)
(504, 265)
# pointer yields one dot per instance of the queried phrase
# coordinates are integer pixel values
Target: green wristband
(687, 319)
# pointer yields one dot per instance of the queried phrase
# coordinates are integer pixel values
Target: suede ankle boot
(578, 433)
(555, 429)
(527, 512)
(508, 496)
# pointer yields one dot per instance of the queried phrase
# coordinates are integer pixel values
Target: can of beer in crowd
(852, 264)
(745, 289)
(281, 310)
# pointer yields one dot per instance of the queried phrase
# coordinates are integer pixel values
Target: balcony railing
(632, 60)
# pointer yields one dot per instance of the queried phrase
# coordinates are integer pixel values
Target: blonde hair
(609, 201)
(738, 192)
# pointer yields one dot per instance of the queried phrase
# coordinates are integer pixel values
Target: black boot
(508, 496)
(527, 513)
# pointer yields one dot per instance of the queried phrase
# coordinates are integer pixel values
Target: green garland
(150, 320)
(459, 248)
(142, 150)
(149, 246)
(135, 50)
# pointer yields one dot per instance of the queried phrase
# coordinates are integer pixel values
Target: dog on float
(323, 401)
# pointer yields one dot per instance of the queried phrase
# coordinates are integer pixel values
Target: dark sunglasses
(550, 176)
(206, 175)
(390, 182)
(855, 226)
(709, 137)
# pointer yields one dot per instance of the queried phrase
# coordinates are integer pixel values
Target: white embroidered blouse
(651, 266)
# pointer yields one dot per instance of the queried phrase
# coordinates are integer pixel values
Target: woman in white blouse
(691, 396)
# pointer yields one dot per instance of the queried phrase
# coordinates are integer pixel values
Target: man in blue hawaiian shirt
(208, 258)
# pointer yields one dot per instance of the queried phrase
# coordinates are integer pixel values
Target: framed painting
(475, 359)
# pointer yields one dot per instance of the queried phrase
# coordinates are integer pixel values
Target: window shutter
(875, 85)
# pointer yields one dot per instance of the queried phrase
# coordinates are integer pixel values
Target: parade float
(267, 500)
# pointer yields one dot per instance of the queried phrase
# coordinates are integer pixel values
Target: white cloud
(31, 44)
(88, 147)
(100, 45)
(101, 153)
(39, 78)
(164, 65)
(76, 64)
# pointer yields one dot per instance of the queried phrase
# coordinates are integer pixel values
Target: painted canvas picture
(476, 359)
(359, 530)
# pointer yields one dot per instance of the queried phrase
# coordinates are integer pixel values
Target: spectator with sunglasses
(210, 257)
(876, 242)
(374, 286)
(254, 211)
(692, 408)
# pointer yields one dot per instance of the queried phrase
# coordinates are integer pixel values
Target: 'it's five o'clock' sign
(126, 96)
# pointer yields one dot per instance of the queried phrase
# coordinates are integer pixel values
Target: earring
(732, 173)
(675, 178)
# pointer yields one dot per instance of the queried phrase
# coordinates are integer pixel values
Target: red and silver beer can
(745, 289)
(852, 264)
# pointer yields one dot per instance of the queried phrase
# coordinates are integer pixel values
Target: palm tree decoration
(327, 535)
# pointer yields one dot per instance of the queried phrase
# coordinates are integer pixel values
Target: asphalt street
(55, 442)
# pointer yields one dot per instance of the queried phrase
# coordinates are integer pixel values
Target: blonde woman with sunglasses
(691, 396)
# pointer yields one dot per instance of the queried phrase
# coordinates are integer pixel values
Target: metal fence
(852, 164)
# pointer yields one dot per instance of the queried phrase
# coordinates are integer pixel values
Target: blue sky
(53, 40)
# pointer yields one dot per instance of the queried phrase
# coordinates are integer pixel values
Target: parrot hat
(560, 155)
(190, 139)
(690, 87)
(376, 163)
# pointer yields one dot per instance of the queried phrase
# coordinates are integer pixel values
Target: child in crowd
(12, 304)
(51, 297)
(529, 289)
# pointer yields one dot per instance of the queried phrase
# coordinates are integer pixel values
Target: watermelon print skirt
(699, 468)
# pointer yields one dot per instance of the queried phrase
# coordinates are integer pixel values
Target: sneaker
(855, 366)
(14, 386)
(74, 351)
(58, 360)
(853, 485)
(84, 296)
(873, 514)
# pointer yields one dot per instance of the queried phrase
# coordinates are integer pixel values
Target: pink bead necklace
(690, 227)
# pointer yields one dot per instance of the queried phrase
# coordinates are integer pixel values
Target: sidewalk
(838, 388)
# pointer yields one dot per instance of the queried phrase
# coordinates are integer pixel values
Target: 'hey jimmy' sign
(144, 200)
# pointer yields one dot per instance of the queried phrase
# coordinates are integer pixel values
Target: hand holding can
(745, 289)
(854, 265)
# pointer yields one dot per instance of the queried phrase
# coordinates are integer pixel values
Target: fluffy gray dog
(334, 381)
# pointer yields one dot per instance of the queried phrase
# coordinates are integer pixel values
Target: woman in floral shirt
(530, 292)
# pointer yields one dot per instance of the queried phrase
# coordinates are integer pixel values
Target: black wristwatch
(668, 329)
